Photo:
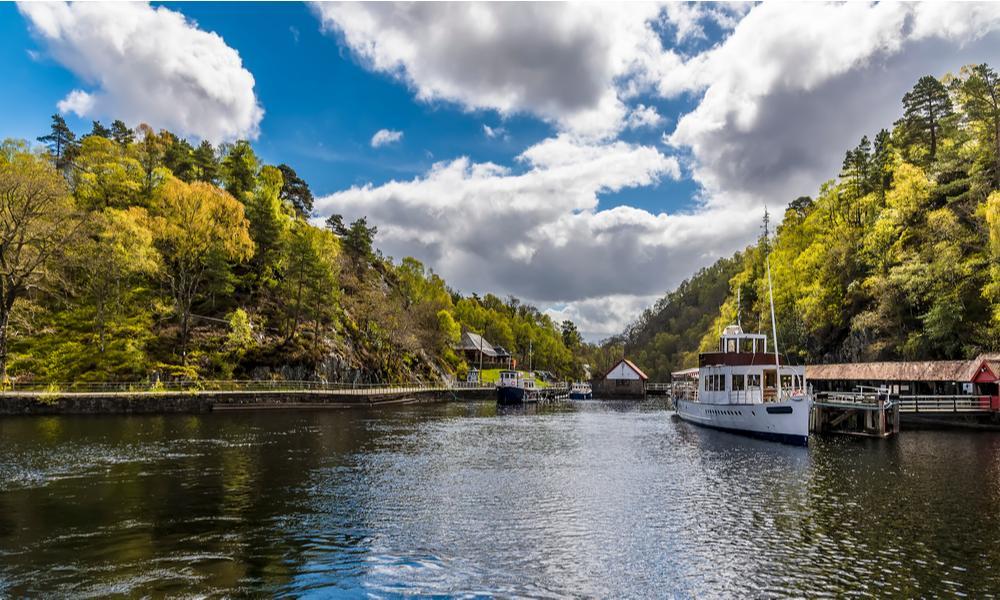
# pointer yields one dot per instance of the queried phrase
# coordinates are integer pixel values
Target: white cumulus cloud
(567, 63)
(796, 85)
(384, 137)
(78, 101)
(643, 116)
(148, 64)
(538, 232)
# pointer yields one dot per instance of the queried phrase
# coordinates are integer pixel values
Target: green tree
(358, 242)
(150, 155)
(269, 225)
(61, 142)
(105, 177)
(570, 335)
(38, 221)
(99, 130)
(239, 169)
(121, 134)
(206, 164)
(925, 107)
(978, 92)
(295, 191)
(335, 224)
(196, 225)
(991, 212)
(178, 156)
(311, 278)
(112, 260)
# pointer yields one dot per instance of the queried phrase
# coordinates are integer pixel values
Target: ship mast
(770, 291)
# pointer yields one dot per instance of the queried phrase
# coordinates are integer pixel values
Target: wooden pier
(865, 413)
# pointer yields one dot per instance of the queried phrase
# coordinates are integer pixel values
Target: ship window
(753, 380)
(786, 381)
(738, 383)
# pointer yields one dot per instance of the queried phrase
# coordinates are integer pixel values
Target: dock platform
(865, 414)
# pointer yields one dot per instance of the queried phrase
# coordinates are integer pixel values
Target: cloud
(537, 231)
(600, 318)
(385, 137)
(78, 101)
(566, 63)
(643, 116)
(796, 85)
(495, 132)
(146, 64)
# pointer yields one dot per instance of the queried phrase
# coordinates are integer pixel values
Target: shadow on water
(553, 500)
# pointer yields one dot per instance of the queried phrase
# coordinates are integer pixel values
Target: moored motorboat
(514, 387)
(580, 391)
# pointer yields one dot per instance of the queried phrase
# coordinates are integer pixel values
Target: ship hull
(785, 422)
(581, 395)
(507, 395)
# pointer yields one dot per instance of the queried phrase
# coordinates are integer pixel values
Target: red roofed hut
(624, 380)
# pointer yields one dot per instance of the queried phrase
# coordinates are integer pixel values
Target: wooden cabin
(624, 380)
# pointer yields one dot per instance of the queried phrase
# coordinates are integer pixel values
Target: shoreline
(202, 401)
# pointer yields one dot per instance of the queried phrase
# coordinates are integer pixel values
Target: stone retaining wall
(33, 403)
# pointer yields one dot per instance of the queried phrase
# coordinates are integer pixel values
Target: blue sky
(633, 143)
(321, 105)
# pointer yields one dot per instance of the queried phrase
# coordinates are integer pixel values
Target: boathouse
(624, 380)
(977, 377)
(477, 351)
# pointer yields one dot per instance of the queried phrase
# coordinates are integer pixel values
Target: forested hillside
(898, 257)
(132, 255)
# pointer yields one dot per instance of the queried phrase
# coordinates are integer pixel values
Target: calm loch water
(594, 499)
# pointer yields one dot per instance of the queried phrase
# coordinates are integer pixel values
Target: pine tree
(979, 94)
(924, 108)
(61, 141)
(100, 130)
(295, 191)
(880, 169)
(206, 165)
(239, 169)
(121, 134)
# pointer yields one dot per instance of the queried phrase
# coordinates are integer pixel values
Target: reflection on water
(592, 499)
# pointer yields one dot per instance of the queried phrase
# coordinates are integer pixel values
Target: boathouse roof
(476, 342)
(630, 365)
(926, 370)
